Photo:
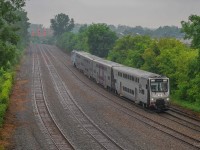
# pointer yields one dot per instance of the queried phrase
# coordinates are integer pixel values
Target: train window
(129, 77)
(143, 92)
(132, 92)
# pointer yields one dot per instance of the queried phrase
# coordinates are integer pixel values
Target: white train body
(146, 88)
(103, 72)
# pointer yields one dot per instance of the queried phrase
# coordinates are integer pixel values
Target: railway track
(178, 111)
(188, 139)
(53, 133)
(73, 108)
(194, 125)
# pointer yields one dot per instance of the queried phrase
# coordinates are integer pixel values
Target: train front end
(159, 93)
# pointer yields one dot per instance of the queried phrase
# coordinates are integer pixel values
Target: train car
(103, 72)
(146, 88)
(83, 61)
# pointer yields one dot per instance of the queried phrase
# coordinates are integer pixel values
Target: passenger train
(145, 88)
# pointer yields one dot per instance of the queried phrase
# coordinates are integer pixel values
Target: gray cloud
(147, 13)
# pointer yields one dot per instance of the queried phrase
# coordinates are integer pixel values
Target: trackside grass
(186, 104)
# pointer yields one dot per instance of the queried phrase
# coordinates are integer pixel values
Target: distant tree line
(161, 32)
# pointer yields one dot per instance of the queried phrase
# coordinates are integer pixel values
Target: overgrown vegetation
(14, 38)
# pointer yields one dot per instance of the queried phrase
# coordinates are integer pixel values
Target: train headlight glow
(167, 99)
(152, 99)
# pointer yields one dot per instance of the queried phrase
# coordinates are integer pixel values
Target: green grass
(186, 104)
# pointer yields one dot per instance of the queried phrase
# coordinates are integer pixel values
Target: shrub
(3, 108)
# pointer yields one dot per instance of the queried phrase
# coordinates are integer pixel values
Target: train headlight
(167, 99)
(152, 99)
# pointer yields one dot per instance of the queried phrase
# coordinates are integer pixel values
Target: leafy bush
(5, 89)
(3, 108)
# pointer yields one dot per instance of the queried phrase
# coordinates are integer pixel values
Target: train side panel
(102, 73)
(131, 86)
(143, 92)
(125, 84)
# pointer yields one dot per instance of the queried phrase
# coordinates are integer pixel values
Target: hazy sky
(146, 13)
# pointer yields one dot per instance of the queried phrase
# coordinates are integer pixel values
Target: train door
(136, 94)
(101, 74)
(120, 88)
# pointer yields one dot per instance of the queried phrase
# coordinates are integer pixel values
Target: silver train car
(145, 88)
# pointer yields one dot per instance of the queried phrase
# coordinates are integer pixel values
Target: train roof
(98, 59)
(120, 67)
(108, 63)
(87, 55)
(137, 72)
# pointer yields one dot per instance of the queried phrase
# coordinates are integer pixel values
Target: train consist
(148, 89)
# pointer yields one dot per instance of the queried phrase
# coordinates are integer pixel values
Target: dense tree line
(163, 55)
(13, 39)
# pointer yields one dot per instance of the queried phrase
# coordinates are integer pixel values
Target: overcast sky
(146, 13)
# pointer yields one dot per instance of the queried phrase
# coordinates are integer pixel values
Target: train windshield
(159, 85)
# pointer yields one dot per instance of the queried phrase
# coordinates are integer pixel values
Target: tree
(62, 23)
(191, 28)
(128, 50)
(192, 31)
(23, 26)
(100, 39)
(9, 38)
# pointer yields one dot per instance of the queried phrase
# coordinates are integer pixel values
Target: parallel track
(182, 121)
(53, 134)
(141, 117)
(70, 105)
(178, 111)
